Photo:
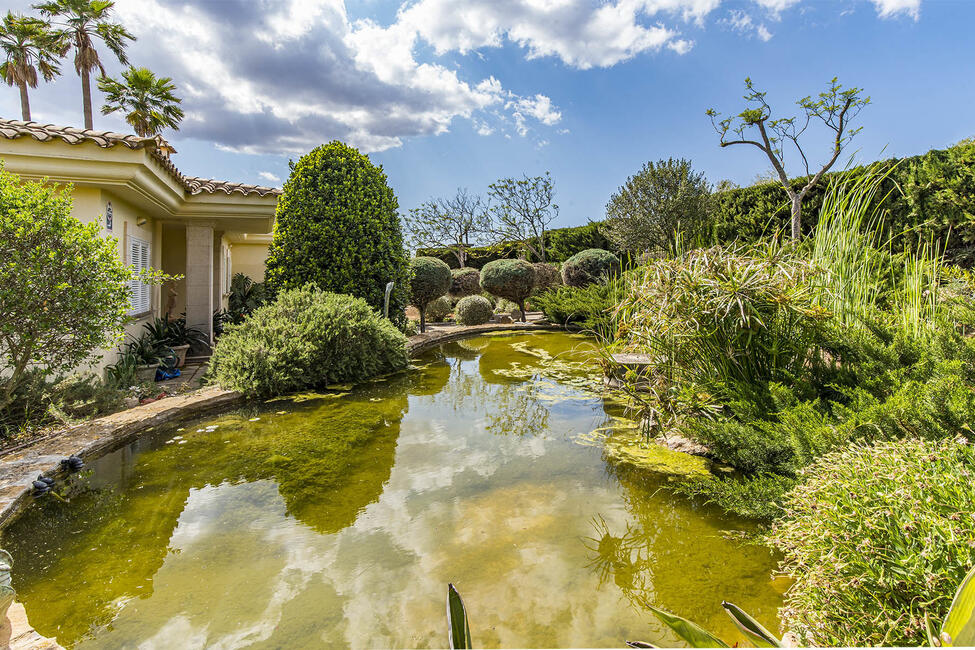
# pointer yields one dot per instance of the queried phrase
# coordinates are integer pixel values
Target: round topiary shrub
(876, 537)
(474, 310)
(511, 279)
(465, 282)
(438, 309)
(337, 227)
(547, 276)
(429, 279)
(306, 339)
(589, 266)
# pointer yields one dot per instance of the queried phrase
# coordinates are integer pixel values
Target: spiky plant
(29, 46)
(81, 24)
(147, 101)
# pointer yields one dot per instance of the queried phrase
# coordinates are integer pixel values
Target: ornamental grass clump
(877, 536)
(474, 310)
(306, 339)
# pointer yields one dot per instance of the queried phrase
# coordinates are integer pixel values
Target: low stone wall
(435, 336)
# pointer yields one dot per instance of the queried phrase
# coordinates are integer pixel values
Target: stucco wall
(174, 263)
(249, 259)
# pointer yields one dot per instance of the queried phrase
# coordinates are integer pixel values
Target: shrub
(437, 310)
(245, 296)
(563, 243)
(589, 266)
(504, 306)
(38, 401)
(590, 308)
(306, 339)
(465, 282)
(662, 199)
(876, 537)
(429, 279)
(474, 310)
(546, 276)
(511, 279)
(337, 227)
(63, 287)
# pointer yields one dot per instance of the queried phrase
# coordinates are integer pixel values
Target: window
(140, 292)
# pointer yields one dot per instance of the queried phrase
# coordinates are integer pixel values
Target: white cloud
(268, 176)
(743, 23)
(890, 8)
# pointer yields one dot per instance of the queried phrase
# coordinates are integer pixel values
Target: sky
(449, 94)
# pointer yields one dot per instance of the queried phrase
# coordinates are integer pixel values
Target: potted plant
(176, 335)
(147, 353)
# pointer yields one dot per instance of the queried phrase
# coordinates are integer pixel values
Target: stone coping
(435, 336)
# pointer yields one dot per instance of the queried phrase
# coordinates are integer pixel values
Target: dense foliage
(654, 205)
(429, 279)
(876, 537)
(464, 282)
(437, 309)
(306, 339)
(63, 287)
(474, 310)
(589, 308)
(511, 279)
(547, 276)
(589, 266)
(40, 401)
(337, 227)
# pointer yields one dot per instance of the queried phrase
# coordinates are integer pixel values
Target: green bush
(590, 308)
(38, 401)
(437, 310)
(474, 310)
(547, 276)
(563, 243)
(504, 306)
(589, 266)
(337, 227)
(63, 290)
(465, 282)
(429, 279)
(876, 537)
(306, 339)
(511, 279)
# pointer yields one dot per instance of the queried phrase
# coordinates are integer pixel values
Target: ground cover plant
(306, 338)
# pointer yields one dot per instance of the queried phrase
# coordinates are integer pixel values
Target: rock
(684, 445)
(130, 402)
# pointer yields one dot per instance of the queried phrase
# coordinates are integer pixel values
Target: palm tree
(29, 45)
(83, 22)
(147, 100)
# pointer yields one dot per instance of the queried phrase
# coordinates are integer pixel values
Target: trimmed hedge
(589, 267)
(306, 339)
(465, 282)
(337, 227)
(438, 310)
(933, 193)
(430, 279)
(546, 276)
(474, 310)
(511, 279)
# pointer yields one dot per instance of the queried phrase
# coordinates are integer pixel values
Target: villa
(202, 229)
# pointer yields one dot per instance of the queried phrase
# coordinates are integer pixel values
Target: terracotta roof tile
(156, 145)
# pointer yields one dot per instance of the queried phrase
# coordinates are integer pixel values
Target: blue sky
(457, 93)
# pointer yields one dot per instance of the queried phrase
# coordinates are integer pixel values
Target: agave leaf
(933, 641)
(690, 632)
(754, 630)
(959, 625)
(460, 631)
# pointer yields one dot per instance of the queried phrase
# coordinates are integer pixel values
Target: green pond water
(337, 520)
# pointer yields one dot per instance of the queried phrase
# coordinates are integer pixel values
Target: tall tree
(29, 46)
(82, 24)
(836, 107)
(524, 207)
(662, 199)
(147, 101)
(456, 224)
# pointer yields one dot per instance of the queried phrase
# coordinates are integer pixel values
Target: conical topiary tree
(337, 227)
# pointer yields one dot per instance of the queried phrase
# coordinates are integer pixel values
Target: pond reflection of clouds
(357, 553)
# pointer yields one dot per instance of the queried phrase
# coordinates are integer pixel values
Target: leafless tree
(523, 208)
(456, 224)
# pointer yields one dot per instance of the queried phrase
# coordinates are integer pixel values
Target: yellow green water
(336, 520)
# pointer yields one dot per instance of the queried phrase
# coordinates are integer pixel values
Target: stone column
(199, 278)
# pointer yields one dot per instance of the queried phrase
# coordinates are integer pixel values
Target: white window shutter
(140, 292)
